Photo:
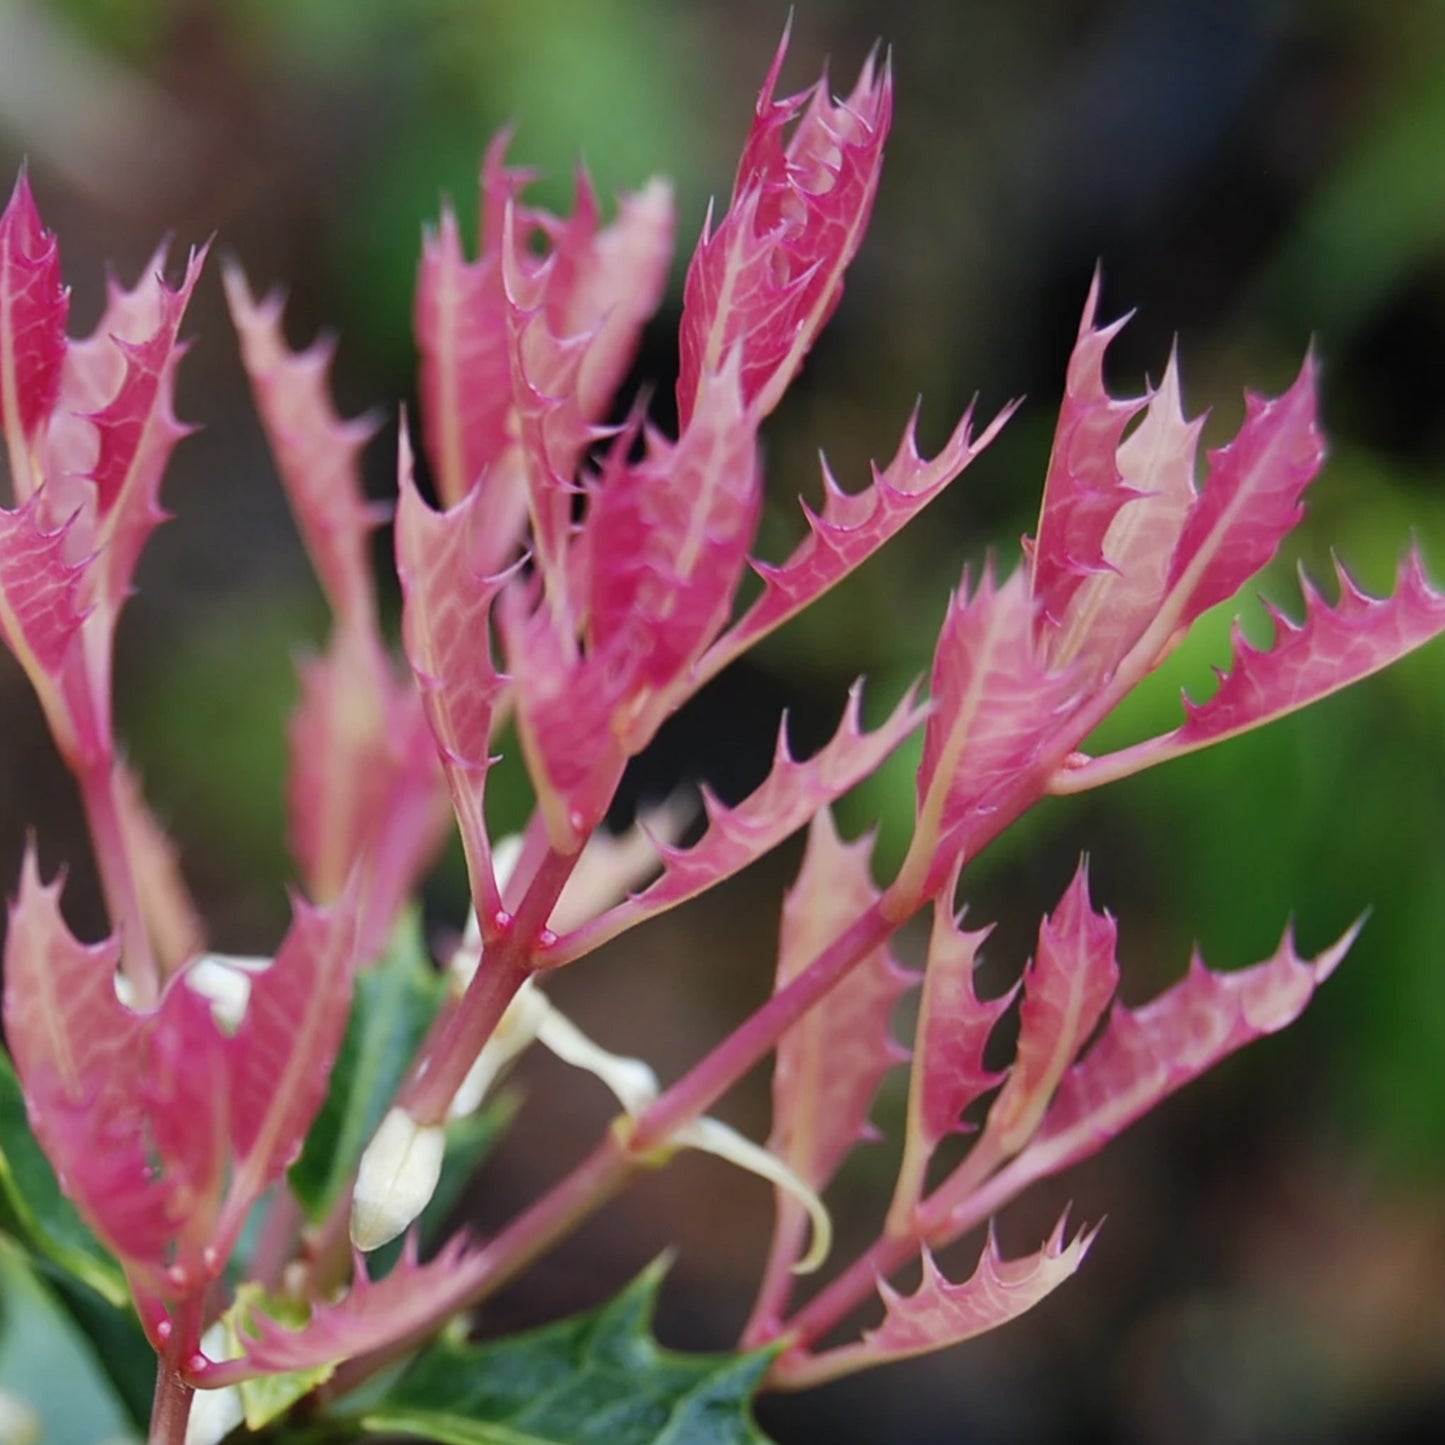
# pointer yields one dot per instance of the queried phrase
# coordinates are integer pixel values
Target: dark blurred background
(1254, 176)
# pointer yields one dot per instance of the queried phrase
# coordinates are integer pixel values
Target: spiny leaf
(37, 1213)
(33, 310)
(851, 527)
(1067, 987)
(1145, 1054)
(939, 1314)
(1084, 490)
(832, 1061)
(597, 1379)
(735, 837)
(316, 452)
(1251, 499)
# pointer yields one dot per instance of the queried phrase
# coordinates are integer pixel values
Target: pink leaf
(369, 1315)
(954, 1027)
(365, 788)
(282, 1054)
(995, 704)
(851, 527)
(1084, 489)
(1145, 1054)
(40, 596)
(790, 796)
(1332, 648)
(1112, 606)
(446, 629)
(125, 1105)
(1251, 498)
(767, 279)
(938, 1314)
(1067, 987)
(465, 376)
(832, 1061)
(33, 310)
(666, 543)
(317, 453)
(138, 430)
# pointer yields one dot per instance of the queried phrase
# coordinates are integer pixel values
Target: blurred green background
(1254, 176)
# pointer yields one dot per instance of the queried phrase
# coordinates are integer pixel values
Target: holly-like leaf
(831, 1062)
(283, 1052)
(1251, 499)
(446, 631)
(1145, 1054)
(765, 282)
(42, 605)
(597, 1379)
(1330, 649)
(939, 1314)
(371, 1313)
(33, 309)
(1067, 987)
(391, 1009)
(851, 527)
(953, 1030)
(138, 430)
(1084, 490)
(35, 1211)
(316, 452)
(789, 797)
(995, 702)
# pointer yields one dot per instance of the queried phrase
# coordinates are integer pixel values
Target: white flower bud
(397, 1178)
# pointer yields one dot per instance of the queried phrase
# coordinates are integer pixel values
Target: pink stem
(98, 782)
(505, 967)
(171, 1407)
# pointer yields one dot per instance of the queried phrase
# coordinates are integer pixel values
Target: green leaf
(393, 1006)
(597, 1379)
(269, 1396)
(34, 1211)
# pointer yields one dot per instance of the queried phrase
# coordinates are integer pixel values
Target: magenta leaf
(1145, 1054)
(317, 453)
(666, 544)
(995, 702)
(34, 304)
(138, 430)
(1084, 489)
(766, 281)
(282, 1053)
(129, 1107)
(461, 333)
(939, 1314)
(831, 1062)
(851, 527)
(1251, 498)
(41, 603)
(954, 1026)
(1067, 987)
(789, 797)
(1330, 649)
(372, 1313)
(446, 630)
(1113, 604)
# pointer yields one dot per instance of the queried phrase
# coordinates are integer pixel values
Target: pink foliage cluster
(581, 579)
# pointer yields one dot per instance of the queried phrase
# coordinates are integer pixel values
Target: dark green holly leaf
(393, 1006)
(35, 1212)
(597, 1379)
